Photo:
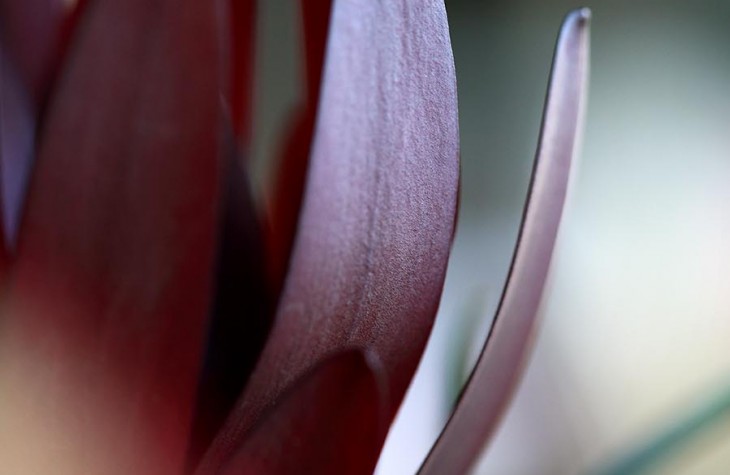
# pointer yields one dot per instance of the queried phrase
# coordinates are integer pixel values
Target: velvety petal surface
(378, 216)
(330, 422)
(100, 346)
(500, 365)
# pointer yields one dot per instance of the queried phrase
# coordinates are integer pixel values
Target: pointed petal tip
(580, 17)
(585, 15)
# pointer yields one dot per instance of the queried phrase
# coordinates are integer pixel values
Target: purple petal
(329, 423)
(499, 367)
(378, 217)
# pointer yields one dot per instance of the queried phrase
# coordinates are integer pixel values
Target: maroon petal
(289, 187)
(242, 15)
(102, 341)
(329, 423)
(17, 146)
(498, 369)
(30, 29)
(377, 222)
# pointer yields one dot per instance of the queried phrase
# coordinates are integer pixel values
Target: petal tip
(585, 15)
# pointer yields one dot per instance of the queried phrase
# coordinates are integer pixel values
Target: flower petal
(242, 15)
(17, 147)
(290, 181)
(497, 371)
(102, 341)
(329, 422)
(378, 216)
(30, 30)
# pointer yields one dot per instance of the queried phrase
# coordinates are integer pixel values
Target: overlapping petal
(498, 369)
(377, 222)
(102, 341)
(330, 422)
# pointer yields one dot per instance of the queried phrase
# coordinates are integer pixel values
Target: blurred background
(631, 368)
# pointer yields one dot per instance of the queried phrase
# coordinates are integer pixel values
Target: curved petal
(378, 216)
(338, 406)
(101, 345)
(498, 369)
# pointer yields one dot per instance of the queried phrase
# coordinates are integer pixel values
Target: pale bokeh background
(636, 322)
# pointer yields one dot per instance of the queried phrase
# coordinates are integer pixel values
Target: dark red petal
(378, 216)
(102, 341)
(242, 43)
(498, 369)
(329, 423)
(286, 201)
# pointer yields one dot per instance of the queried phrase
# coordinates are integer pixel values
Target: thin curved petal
(329, 423)
(498, 369)
(101, 345)
(378, 216)
(288, 193)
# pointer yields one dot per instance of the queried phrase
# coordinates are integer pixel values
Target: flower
(156, 322)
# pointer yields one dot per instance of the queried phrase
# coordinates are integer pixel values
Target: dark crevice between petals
(329, 422)
(241, 315)
(497, 372)
(36, 35)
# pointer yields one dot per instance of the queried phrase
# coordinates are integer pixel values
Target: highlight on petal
(102, 341)
(330, 422)
(378, 216)
(498, 369)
